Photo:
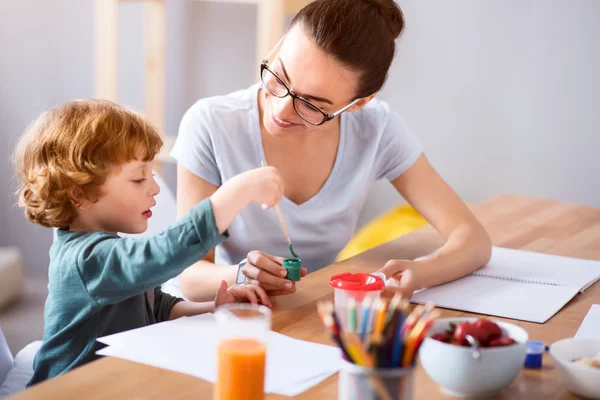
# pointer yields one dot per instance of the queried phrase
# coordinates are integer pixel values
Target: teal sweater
(100, 283)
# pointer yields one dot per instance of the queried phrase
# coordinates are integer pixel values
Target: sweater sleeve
(163, 304)
(113, 269)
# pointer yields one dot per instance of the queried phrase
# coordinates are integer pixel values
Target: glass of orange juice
(242, 351)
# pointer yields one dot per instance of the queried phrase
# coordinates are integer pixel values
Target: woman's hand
(266, 270)
(400, 278)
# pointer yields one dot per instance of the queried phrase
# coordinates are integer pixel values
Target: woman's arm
(200, 281)
(467, 246)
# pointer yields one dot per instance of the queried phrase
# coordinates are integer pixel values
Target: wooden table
(512, 221)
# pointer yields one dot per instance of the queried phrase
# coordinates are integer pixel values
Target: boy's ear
(79, 198)
(362, 102)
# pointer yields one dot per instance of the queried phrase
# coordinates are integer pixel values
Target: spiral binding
(508, 278)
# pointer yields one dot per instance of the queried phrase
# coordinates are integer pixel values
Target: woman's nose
(284, 108)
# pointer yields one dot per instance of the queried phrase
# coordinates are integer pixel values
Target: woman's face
(311, 74)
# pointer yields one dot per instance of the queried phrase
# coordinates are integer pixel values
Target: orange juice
(241, 370)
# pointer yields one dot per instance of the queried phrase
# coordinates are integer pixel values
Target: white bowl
(580, 379)
(460, 374)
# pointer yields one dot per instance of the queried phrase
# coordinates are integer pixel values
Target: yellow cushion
(393, 224)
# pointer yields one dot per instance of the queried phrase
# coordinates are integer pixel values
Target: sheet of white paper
(300, 387)
(203, 324)
(590, 327)
(134, 355)
(188, 345)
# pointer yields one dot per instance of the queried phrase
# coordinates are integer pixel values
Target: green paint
(292, 251)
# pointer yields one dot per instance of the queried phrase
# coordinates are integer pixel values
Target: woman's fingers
(266, 269)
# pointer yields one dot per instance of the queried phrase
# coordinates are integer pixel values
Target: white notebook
(516, 284)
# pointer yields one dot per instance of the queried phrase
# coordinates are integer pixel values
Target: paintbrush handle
(280, 215)
(285, 231)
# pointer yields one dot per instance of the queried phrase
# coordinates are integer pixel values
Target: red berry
(442, 337)
(481, 335)
(467, 328)
(500, 342)
(491, 328)
(462, 329)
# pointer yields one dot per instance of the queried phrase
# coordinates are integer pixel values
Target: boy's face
(125, 199)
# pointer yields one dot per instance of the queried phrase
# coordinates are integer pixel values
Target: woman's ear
(361, 103)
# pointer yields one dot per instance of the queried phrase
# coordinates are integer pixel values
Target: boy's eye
(139, 180)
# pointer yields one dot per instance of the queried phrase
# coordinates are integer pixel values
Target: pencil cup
(358, 287)
(360, 383)
(241, 351)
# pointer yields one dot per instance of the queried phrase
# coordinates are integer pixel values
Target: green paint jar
(293, 267)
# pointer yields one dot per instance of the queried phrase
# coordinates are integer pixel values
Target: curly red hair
(73, 148)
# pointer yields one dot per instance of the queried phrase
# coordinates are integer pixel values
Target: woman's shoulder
(374, 117)
(376, 111)
(240, 102)
(213, 126)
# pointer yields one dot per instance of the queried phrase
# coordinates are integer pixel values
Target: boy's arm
(163, 304)
(190, 308)
(116, 268)
(236, 293)
(167, 307)
(113, 268)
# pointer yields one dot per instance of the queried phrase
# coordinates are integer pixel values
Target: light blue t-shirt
(219, 137)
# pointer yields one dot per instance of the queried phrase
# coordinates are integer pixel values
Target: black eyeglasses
(306, 110)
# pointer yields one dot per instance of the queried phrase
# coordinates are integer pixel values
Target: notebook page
(501, 298)
(543, 268)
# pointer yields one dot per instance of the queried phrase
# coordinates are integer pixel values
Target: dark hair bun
(392, 14)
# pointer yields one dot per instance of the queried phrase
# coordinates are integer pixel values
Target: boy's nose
(155, 189)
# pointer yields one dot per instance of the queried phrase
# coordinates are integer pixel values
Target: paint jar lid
(358, 282)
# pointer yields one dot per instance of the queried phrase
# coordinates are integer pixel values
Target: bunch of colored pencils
(389, 336)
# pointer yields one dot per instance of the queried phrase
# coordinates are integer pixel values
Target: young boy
(86, 168)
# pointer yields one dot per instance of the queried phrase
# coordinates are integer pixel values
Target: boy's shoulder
(72, 259)
(64, 236)
(69, 244)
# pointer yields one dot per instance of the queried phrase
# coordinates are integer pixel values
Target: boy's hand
(241, 293)
(260, 185)
(263, 186)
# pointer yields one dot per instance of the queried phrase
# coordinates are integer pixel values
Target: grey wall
(46, 58)
(503, 94)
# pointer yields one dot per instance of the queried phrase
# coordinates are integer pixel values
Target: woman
(315, 118)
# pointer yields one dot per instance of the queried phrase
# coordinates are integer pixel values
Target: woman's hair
(69, 152)
(359, 33)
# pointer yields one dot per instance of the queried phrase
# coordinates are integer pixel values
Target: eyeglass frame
(326, 116)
